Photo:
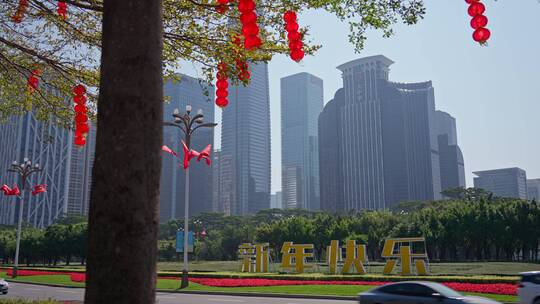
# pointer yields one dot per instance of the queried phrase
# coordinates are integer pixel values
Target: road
(28, 291)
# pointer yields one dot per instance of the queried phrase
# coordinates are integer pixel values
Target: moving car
(529, 288)
(418, 293)
(4, 286)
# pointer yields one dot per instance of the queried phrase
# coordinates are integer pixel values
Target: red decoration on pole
(250, 28)
(81, 115)
(39, 189)
(479, 21)
(32, 82)
(9, 191)
(295, 38)
(222, 85)
(21, 9)
(62, 10)
(190, 154)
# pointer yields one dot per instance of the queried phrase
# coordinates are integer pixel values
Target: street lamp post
(24, 169)
(188, 125)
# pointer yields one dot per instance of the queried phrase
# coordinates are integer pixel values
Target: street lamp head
(26, 159)
(176, 111)
(15, 163)
(36, 166)
(200, 112)
(188, 109)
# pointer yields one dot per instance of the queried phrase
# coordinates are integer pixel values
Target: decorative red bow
(39, 189)
(189, 154)
(9, 192)
(169, 150)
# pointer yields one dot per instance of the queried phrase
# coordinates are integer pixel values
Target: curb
(41, 284)
(263, 295)
(222, 293)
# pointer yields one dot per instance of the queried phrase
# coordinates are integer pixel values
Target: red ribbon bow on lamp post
(190, 154)
(39, 189)
(9, 191)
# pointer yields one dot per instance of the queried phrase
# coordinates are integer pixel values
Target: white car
(529, 288)
(4, 286)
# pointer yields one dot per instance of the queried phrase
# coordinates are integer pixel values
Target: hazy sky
(493, 92)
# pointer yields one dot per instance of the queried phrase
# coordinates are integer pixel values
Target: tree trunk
(123, 217)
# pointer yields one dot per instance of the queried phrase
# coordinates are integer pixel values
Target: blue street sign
(180, 241)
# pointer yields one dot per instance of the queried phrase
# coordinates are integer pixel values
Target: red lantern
(21, 9)
(248, 17)
(79, 108)
(297, 55)
(479, 21)
(290, 17)
(244, 75)
(79, 99)
(82, 127)
(252, 42)
(222, 102)
(80, 141)
(32, 82)
(79, 90)
(476, 8)
(62, 10)
(471, 1)
(245, 6)
(481, 35)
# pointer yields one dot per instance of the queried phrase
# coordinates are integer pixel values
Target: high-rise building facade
(80, 176)
(245, 146)
(450, 155)
(45, 144)
(200, 95)
(276, 201)
(331, 155)
(386, 132)
(508, 182)
(301, 103)
(533, 189)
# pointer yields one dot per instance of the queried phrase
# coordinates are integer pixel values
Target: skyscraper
(387, 137)
(200, 95)
(508, 182)
(301, 104)
(245, 146)
(80, 177)
(450, 155)
(533, 189)
(331, 155)
(45, 144)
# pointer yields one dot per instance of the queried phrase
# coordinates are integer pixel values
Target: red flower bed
(498, 288)
(78, 277)
(23, 273)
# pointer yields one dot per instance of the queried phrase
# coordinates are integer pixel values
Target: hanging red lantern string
(19, 13)
(293, 35)
(241, 64)
(62, 10)
(478, 22)
(81, 115)
(32, 82)
(222, 84)
(223, 6)
(250, 28)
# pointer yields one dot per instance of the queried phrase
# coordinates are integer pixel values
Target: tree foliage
(67, 51)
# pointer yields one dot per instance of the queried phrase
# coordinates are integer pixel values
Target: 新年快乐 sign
(396, 251)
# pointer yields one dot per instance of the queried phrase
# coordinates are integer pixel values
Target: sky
(493, 92)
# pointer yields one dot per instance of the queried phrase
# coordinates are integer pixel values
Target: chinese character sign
(295, 256)
(254, 257)
(355, 258)
(401, 250)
